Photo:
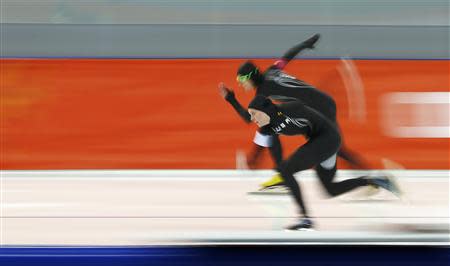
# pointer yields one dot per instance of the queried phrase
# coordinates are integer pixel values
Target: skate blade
(271, 191)
(300, 230)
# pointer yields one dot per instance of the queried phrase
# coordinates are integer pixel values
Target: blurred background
(74, 97)
(128, 91)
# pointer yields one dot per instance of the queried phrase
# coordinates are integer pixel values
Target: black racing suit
(323, 142)
(279, 86)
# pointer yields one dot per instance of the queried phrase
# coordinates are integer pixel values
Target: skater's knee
(326, 177)
(331, 191)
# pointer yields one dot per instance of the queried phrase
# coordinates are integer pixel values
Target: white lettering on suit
(298, 122)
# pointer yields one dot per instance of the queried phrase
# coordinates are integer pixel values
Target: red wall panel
(166, 114)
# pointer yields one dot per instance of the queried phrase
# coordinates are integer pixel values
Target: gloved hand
(225, 92)
(309, 43)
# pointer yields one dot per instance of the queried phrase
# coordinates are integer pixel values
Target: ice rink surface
(187, 207)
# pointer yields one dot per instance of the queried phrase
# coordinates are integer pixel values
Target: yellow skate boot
(276, 182)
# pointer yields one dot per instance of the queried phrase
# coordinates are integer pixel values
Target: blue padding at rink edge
(227, 255)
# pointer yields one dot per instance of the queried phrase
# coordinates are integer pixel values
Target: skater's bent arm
(294, 51)
(228, 95)
(242, 112)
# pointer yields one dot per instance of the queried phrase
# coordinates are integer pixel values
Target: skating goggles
(244, 78)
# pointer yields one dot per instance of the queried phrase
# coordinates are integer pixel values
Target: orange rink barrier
(167, 114)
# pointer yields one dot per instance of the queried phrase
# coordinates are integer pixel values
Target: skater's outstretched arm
(228, 95)
(291, 53)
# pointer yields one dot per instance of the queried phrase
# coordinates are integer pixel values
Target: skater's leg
(326, 176)
(333, 189)
(276, 151)
(294, 188)
(254, 157)
(307, 156)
